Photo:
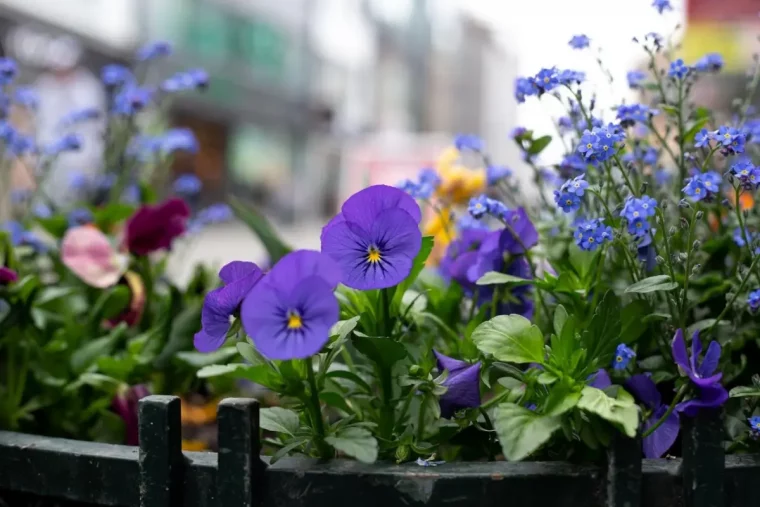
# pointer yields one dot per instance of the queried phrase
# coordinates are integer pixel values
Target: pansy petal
(696, 350)
(463, 391)
(315, 299)
(449, 363)
(705, 382)
(644, 389)
(709, 397)
(663, 438)
(295, 266)
(205, 342)
(601, 379)
(347, 246)
(678, 347)
(364, 206)
(519, 233)
(710, 361)
(236, 270)
(218, 306)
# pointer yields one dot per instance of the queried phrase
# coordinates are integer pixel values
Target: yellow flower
(441, 227)
(459, 183)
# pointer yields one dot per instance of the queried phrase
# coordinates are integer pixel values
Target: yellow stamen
(294, 321)
(373, 255)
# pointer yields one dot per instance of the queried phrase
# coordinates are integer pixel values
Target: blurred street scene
(310, 100)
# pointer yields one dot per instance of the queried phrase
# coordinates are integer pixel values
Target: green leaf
(51, 294)
(631, 320)
(690, 134)
(496, 278)
(603, 333)
(383, 351)
(112, 214)
(279, 420)
(261, 227)
(342, 329)
(521, 431)
(250, 354)
(744, 392)
(582, 261)
(183, 328)
(336, 400)
(55, 225)
(110, 304)
(351, 376)
(119, 368)
(538, 145)
(417, 267)
(355, 442)
(85, 356)
(282, 452)
(561, 399)
(651, 284)
(510, 338)
(671, 110)
(701, 325)
(201, 359)
(560, 317)
(621, 411)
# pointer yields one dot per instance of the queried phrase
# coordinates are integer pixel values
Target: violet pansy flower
(239, 278)
(601, 379)
(519, 232)
(711, 394)
(462, 384)
(375, 237)
(663, 438)
(289, 313)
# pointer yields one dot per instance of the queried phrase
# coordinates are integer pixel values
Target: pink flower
(154, 228)
(87, 252)
(7, 275)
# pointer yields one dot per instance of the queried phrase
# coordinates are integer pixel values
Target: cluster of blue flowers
(752, 237)
(427, 183)
(546, 80)
(636, 211)
(711, 62)
(753, 300)
(633, 113)
(572, 164)
(568, 197)
(702, 186)
(635, 79)
(579, 42)
(591, 233)
(599, 144)
(746, 173)
(729, 139)
(646, 155)
(754, 427)
(483, 205)
(678, 69)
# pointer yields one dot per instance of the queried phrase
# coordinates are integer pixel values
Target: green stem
(387, 414)
(598, 277)
(679, 396)
(316, 412)
(736, 294)
(495, 302)
(687, 274)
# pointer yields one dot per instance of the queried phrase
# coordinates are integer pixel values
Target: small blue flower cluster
(662, 5)
(591, 233)
(702, 186)
(711, 62)
(572, 164)
(187, 185)
(636, 211)
(598, 145)
(546, 80)
(728, 139)
(579, 42)
(497, 173)
(623, 356)
(635, 78)
(214, 214)
(647, 156)
(754, 427)
(482, 205)
(428, 182)
(568, 197)
(752, 237)
(746, 173)
(678, 69)
(633, 113)
(469, 142)
(753, 300)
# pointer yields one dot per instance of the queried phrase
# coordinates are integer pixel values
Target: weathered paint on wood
(241, 477)
(161, 461)
(624, 472)
(703, 459)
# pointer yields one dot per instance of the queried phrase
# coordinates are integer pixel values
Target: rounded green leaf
(510, 338)
(521, 431)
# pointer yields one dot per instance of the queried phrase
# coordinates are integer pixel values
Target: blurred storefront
(255, 119)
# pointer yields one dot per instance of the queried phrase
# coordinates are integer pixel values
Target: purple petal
(678, 347)
(523, 228)
(711, 359)
(705, 382)
(663, 438)
(265, 316)
(347, 245)
(236, 270)
(205, 342)
(696, 350)
(337, 219)
(449, 363)
(459, 268)
(463, 390)
(364, 206)
(295, 266)
(601, 379)
(709, 397)
(645, 390)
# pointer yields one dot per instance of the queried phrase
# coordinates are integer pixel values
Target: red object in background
(723, 10)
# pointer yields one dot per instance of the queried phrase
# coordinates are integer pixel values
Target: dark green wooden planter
(41, 471)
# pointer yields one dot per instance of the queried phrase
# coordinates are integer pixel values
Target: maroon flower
(7, 275)
(154, 228)
(125, 404)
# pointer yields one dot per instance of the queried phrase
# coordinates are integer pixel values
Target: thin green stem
(679, 396)
(736, 294)
(495, 302)
(316, 412)
(687, 274)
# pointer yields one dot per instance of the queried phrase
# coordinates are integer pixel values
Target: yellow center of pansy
(373, 255)
(294, 320)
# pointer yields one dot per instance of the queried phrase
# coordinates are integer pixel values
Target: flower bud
(700, 214)
(415, 370)
(672, 231)
(696, 269)
(696, 245)
(683, 203)
(660, 260)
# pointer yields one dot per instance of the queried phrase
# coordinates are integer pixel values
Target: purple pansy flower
(658, 443)
(375, 237)
(518, 233)
(289, 313)
(239, 278)
(702, 374)
(462, 384)
(461, 254)
(601, 379)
